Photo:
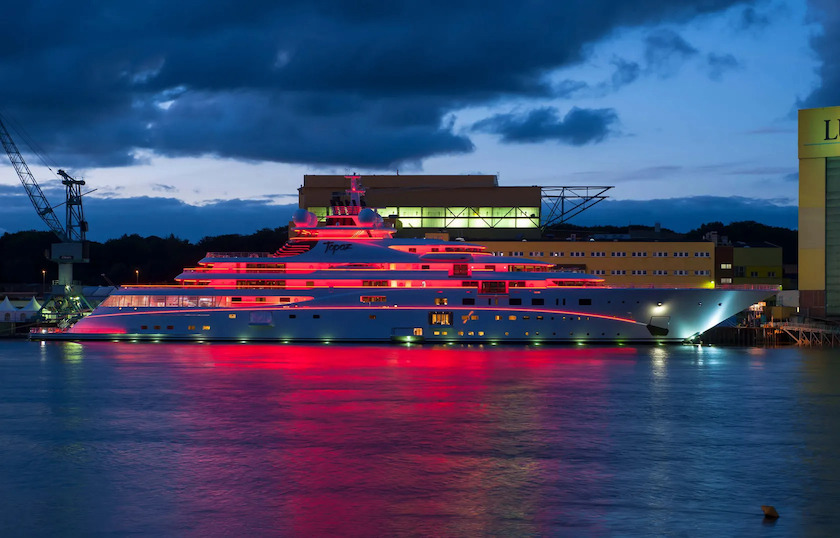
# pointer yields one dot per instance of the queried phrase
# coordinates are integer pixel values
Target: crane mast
(36, 195)
(72, 248)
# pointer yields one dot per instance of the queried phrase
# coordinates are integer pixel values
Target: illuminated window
(460, 333)
(232, 316)
(471, 333)
(512, 318)
(526, 317)
(190, 327)
(498, 317)
(480, 333)
(418, 331)
(205, 328)
(726, 266)
(474, 318)
(441, 300)
(372, 298)
(539, 317)
(372, 316)
(440, 318)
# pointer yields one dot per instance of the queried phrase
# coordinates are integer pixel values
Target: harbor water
(233, 440)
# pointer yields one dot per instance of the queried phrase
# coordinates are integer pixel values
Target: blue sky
(201, 118)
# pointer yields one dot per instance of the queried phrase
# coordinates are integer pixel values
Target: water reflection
(361, 440)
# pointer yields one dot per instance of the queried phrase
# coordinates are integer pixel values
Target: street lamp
(43, 282)
(137, 276)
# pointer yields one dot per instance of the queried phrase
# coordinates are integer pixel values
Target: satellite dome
(368, 216)
(303, 217)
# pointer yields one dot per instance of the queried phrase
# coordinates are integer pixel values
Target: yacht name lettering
(332, 248)
(828, 130)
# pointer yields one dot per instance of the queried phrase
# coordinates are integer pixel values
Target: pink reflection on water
(362, 440)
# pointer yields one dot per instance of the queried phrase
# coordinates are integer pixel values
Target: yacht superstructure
(349, 279)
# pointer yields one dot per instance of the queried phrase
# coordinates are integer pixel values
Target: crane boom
(36, 195)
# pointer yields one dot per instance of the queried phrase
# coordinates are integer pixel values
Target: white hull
(588, 315)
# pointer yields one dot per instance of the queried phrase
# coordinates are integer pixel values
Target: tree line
(124, 260)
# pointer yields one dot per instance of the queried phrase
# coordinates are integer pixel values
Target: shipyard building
(819, 211)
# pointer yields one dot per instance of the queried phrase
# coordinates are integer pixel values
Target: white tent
(30, 311)
(7, 310)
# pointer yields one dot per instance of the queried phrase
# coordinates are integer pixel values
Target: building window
(537, 302)
(441, 300)
(771, 273)
(726, 266)
(619, 254)
(660, 254)
(726, 280)
(753, 274)
(372, 298)
(468, 301)
(514, 302)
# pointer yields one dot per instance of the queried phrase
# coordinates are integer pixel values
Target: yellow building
(819, 211)
(626, 263)
(757, 265)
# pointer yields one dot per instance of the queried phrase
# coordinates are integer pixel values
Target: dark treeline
(753, 233)
(23, 255)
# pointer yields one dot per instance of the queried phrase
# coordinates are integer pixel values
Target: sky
(199, 118)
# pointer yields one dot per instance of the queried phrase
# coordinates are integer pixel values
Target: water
(235, 440)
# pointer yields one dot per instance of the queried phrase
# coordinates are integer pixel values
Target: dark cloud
(684, 214)
(322, 81)
(578, 127)
(625, 72)
(718, 64)
(666, 51)
(827, 46)
(752, 18)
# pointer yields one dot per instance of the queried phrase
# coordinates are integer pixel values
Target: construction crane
(72, 247)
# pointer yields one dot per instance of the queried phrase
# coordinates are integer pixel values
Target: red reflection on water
(362, 440)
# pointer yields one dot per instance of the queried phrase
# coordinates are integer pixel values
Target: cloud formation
(578, 127)
(324, 82)
(827, 46)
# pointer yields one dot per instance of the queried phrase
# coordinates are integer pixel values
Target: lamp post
(137, 276)
(43, 282)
